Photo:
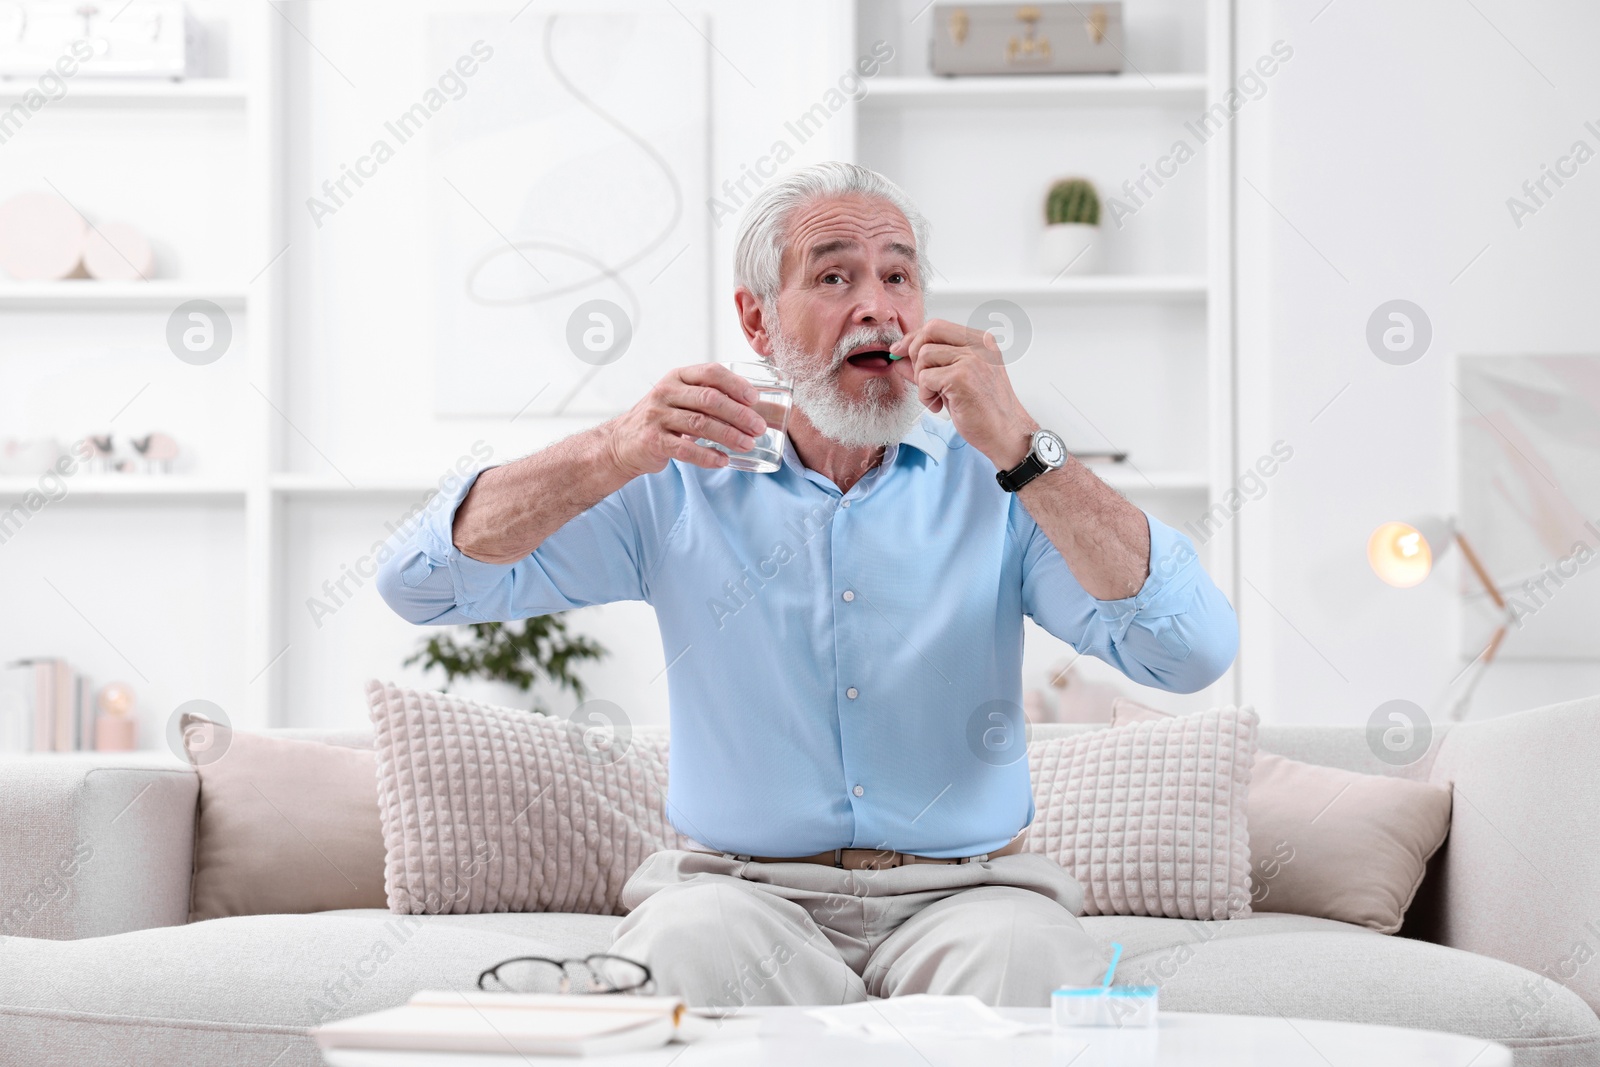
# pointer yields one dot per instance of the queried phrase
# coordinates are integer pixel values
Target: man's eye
(897, 276)
(832, 274)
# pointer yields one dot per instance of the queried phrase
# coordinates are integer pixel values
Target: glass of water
(774, 398)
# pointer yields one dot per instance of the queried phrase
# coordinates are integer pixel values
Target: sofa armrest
(94, 843)
(1520, 879)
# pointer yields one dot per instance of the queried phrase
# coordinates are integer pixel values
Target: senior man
(844, 635)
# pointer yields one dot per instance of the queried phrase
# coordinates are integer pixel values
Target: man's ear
(753, 320)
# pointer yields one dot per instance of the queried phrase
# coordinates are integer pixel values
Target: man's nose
(875, 307)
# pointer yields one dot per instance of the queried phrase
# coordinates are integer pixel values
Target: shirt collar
(929, 434)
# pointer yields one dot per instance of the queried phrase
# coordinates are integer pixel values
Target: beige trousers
(722, 932)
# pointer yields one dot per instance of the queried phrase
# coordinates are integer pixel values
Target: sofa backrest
(1345, 747)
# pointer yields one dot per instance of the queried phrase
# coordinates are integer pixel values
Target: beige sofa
(99, 965)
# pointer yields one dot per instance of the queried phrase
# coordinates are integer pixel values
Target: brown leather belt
(876, 859)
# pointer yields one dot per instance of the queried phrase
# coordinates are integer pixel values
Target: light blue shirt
(844, 670)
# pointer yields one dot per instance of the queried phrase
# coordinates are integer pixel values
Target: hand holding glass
(774, 398)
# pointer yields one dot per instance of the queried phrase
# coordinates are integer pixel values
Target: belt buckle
(875, 859)
(885, 859)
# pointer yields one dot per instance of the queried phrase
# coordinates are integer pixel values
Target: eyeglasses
(599, 973)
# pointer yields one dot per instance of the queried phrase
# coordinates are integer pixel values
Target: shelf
(1125, 479)
(180, 488)
(142, 487)
(1045, 89)
(326, 487)
(1076, 286)
(86, 294)
(130, 92)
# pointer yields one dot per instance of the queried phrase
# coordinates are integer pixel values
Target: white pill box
(1118, 1006)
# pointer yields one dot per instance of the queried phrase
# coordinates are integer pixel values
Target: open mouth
(870, 359)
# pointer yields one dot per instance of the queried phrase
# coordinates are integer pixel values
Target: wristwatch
(1047, 453)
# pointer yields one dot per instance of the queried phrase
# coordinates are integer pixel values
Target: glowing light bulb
(1402, 553)
(116, 699)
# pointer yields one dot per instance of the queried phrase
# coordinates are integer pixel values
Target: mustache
(865, 335)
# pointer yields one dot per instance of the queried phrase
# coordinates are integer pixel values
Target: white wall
(1383, 153)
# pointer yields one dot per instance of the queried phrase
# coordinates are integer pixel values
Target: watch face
(1048, 447)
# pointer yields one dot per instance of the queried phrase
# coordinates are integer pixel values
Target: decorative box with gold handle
(1062, 38)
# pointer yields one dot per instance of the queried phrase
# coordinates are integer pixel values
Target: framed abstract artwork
(1530, 500)
(571, 238)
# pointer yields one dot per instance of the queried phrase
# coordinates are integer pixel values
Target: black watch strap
(1020, 475)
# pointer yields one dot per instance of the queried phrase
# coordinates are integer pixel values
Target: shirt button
(858, 791)
(844, 503)
(851, 692)
(849, 595)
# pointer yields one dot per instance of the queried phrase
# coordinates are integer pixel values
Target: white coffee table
(790, 1038)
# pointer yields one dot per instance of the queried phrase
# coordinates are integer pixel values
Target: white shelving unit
(238, 545)
(243, 108)
(1143, 352)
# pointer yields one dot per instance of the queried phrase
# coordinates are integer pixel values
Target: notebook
(516, 1023)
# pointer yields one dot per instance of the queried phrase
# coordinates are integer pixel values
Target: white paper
(923, 1015)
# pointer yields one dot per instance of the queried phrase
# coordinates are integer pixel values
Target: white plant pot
(1069, 247)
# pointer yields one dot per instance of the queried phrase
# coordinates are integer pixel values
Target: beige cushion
(1150, 817)
(1333, 843)
(283, 826)
(496, 809)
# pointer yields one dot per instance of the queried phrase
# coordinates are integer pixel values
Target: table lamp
(1402, 554)
(114, 727)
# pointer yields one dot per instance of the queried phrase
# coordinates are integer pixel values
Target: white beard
(888, 409)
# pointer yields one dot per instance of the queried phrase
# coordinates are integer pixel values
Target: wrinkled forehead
(852, 225)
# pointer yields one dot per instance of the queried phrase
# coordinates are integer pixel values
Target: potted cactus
(1070, 243)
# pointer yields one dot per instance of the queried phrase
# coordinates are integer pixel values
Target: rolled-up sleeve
(600, 556)
(1177, 633)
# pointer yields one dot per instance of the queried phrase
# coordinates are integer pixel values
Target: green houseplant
(1070, 243)
(519, 654)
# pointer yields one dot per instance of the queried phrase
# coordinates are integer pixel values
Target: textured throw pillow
(1333, 843)
(495, 809)
(1150, 817)
(282, 826)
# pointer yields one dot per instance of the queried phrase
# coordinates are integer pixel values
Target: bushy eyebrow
(841, 244)
(828, 248)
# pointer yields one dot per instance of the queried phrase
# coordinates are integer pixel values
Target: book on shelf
(45, 706)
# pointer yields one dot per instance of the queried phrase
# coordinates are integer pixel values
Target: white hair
(763, 229)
